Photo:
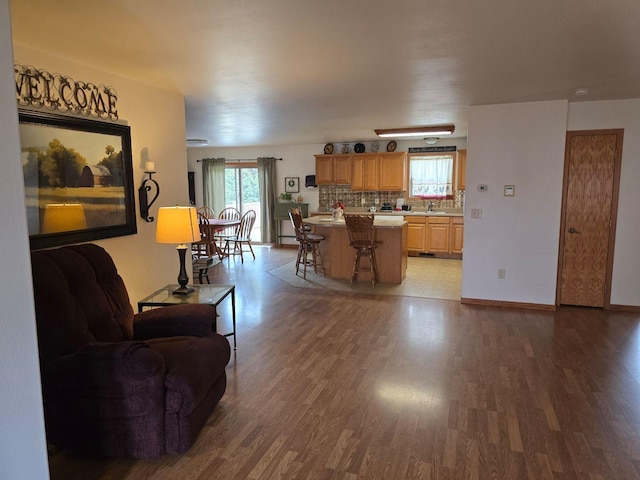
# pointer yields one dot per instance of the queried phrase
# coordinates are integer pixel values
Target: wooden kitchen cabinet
(438, 230)
(416, 234)
(393, 172)
(333, 169)
(364, 173)
(435, 234)
(461, 170)
(457, 235)
(379, 172)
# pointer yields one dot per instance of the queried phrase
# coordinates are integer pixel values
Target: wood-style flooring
(343, 385)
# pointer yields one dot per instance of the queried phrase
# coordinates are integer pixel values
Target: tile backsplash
(329, 194)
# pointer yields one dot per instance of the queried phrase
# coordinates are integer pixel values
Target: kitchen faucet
(430, 207)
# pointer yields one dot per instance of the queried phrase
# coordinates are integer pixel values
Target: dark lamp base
(183, 291)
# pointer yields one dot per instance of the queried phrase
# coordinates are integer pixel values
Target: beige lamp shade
(177, 225)
(63, 217)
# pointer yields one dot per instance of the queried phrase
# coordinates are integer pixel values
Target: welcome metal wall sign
(39, 88)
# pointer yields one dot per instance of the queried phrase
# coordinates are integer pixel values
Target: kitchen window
(431, 176)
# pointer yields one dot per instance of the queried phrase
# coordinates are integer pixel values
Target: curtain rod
(240, 159)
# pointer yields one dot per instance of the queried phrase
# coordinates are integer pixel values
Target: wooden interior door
(591, 179)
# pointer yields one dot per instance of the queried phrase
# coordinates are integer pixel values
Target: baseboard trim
(288, 245)
(624, 308)
(500, 303)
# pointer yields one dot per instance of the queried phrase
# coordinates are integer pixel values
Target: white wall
(625, 288)
(522, 145)
(157, 122)
(23, 451)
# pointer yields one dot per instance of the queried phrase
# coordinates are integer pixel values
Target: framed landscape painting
(78, 179)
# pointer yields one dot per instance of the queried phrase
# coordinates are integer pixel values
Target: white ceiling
(259, 72)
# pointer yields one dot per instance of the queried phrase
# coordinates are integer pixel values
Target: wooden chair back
(361, 232)
(206, 246)
(295, 215)
(229, 213)
(246, 225)
(207, 212)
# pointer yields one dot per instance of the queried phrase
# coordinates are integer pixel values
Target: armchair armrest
(99, 365)
(104, 370)
(175, 320)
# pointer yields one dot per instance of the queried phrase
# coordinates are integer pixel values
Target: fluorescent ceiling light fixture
(197, 142)
(416, 131)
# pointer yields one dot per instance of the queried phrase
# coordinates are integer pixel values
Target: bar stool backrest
(360, 230)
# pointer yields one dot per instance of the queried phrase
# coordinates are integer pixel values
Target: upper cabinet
(393, 171)
(379, 172)
(364, 173)
(333, 169)
(461, 170)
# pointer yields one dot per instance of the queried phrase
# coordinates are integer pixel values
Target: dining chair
(222, 234)
(242, 236)
(362, 237)
(308, 243)
(206, 246)
(207, 212)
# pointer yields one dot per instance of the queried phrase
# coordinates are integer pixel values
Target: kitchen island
(338, 256)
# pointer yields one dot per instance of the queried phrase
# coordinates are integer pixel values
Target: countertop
(409, 213)
(379, 221)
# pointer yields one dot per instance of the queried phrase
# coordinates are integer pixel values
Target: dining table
(218, 224)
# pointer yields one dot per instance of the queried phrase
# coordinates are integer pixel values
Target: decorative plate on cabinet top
(375, 146)
(358, 148)
(391, 146)
(328, 148)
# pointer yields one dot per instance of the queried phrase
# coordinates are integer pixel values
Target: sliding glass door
(241, 191)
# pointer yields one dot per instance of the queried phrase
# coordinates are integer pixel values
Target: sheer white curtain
(431, 177)
(266, 183)
(213, 183)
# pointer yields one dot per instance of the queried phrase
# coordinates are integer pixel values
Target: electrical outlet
(376, 201)
(476, 213)
(501, 273)
(363, 201)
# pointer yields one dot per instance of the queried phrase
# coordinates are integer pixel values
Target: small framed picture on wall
(292, 184)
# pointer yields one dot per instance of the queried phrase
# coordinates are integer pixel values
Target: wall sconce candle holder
(143, 198)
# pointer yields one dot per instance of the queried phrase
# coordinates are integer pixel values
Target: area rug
(427, 277)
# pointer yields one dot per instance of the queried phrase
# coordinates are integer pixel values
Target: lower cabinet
(416, 235)
(438, 235)
(457, 234)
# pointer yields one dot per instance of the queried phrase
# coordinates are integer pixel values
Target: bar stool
(362, 237)
(308, 243)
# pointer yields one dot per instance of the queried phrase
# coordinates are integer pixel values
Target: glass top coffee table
(203, 294)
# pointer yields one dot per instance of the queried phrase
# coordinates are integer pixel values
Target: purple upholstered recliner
(115, 383)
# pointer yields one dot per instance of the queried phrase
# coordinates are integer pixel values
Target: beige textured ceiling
(257, 72)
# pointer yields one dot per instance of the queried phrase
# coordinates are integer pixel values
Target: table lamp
(179, 225)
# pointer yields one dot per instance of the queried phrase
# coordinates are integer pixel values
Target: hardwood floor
(342, 385)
